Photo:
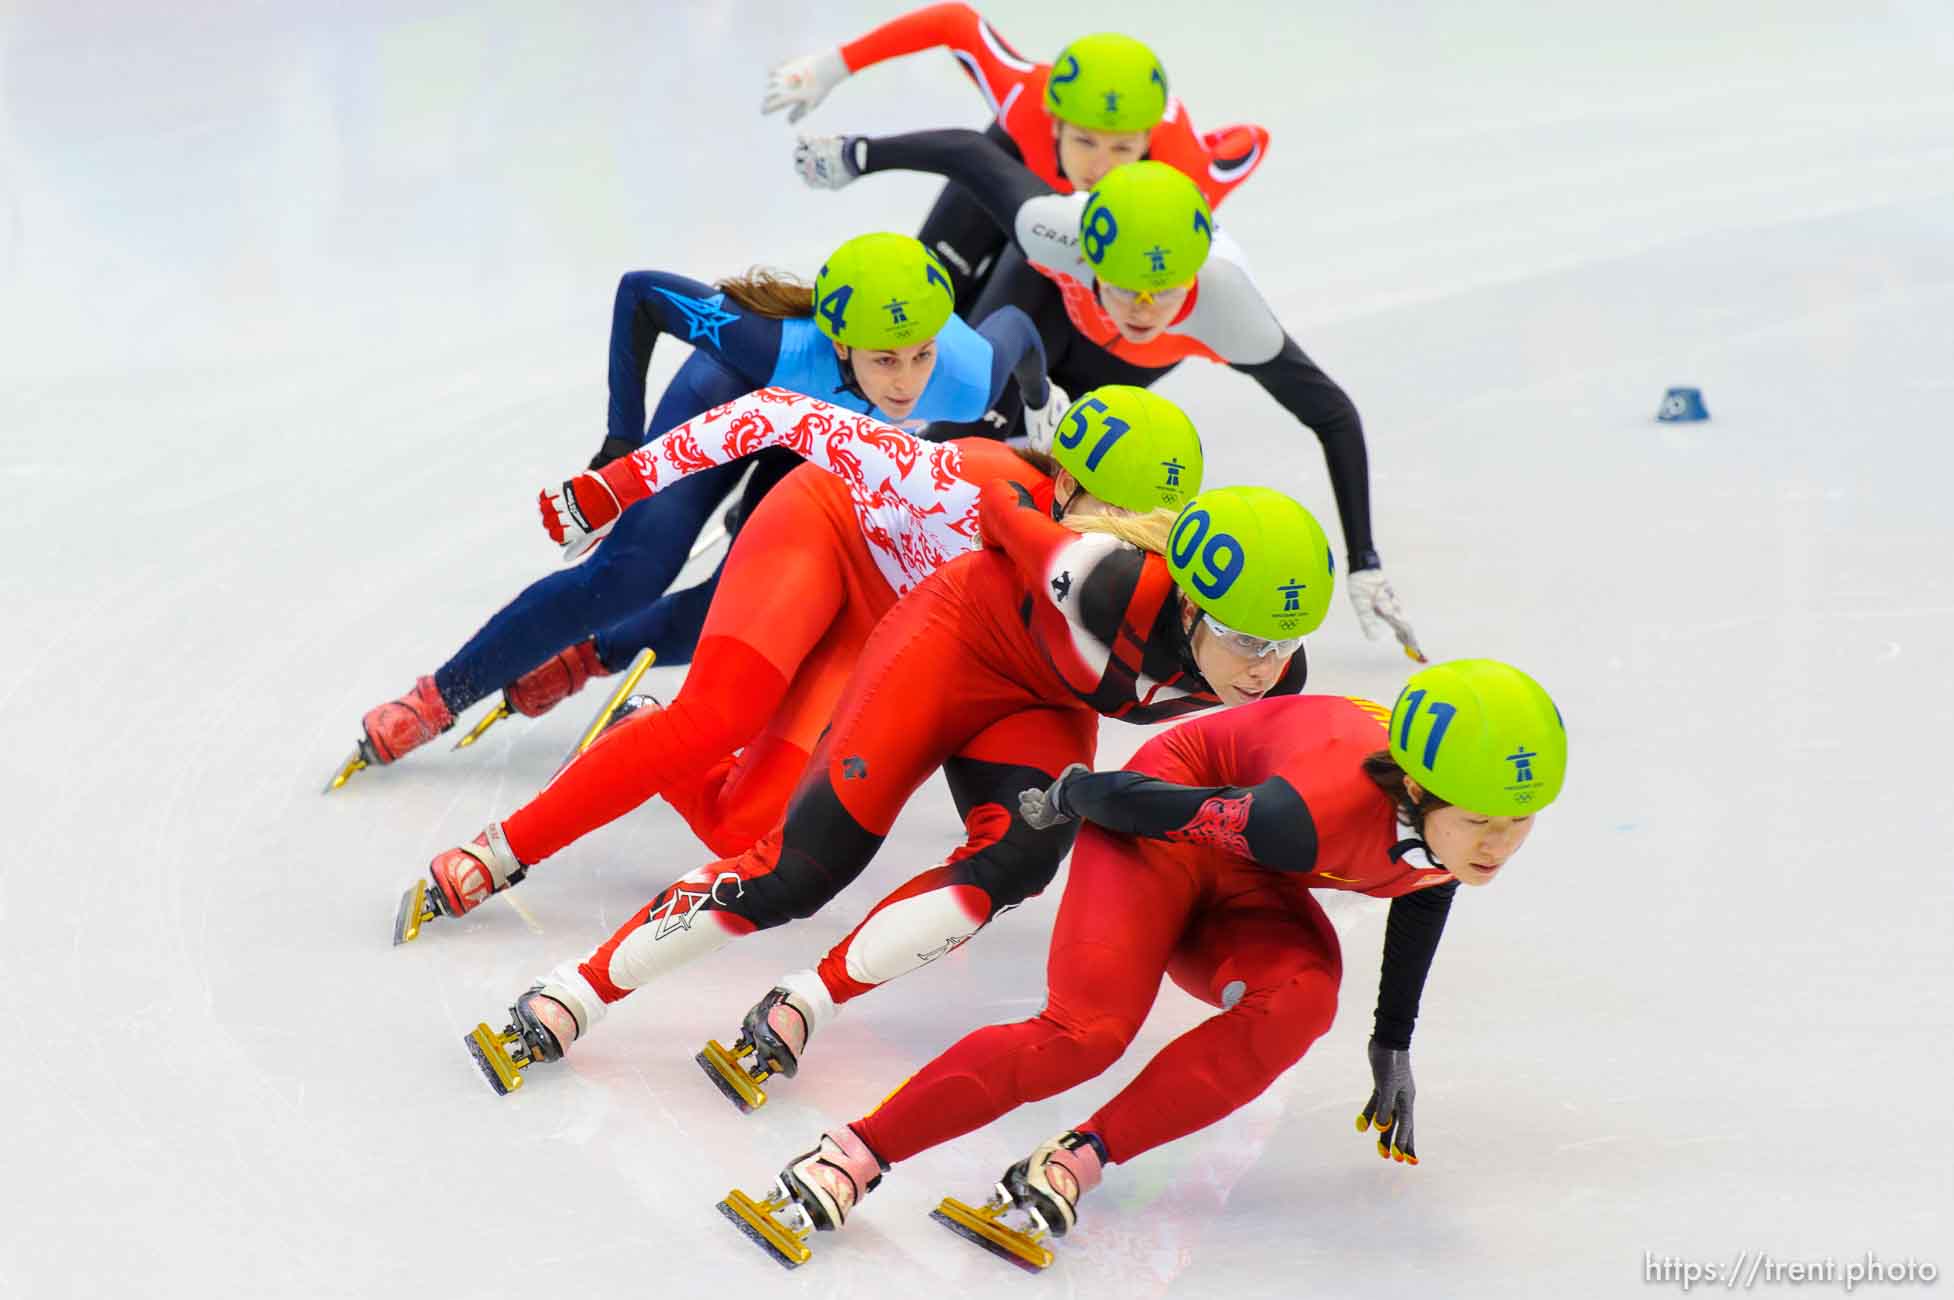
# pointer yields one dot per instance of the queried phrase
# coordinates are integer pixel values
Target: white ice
(300, 303)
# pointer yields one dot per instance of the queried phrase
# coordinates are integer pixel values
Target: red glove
(579, 514)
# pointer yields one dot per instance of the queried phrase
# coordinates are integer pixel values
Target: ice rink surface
(300, 303)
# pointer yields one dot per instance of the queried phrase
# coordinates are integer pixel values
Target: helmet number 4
(834, 305)
(1442, 714)
(1075, 431)
(1221, 556)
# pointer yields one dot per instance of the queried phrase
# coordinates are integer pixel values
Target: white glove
(1042, 809)
(799, 84)
(824, 161)
(1042, 423)
(1377, 605)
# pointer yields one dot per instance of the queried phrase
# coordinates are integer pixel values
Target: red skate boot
(395, 728)
(460, 880)
(559, 677)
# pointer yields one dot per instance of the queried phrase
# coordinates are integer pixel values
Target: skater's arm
(1411, 936)
(999, 183)
(854, 448)
(1318, 402)
(1267, 823)
(973, 42)
(1016, 352)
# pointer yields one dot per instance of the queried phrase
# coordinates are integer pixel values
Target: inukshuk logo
(1522, 761)
(1173, 468)
(1292, 596)
(1157, 256)
(895, 306)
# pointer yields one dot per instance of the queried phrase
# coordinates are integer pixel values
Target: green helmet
(882, 291)
(1145, 228)
(1481, 735)
(1107, 82)
(1159, 466)
(1254, 561)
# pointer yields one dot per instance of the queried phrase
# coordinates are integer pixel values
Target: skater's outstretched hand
(579, 514)
(1377, 607)
(825, 162)
(799, 84)
(1040, 424)
(1044, 809)
(1392, 1093)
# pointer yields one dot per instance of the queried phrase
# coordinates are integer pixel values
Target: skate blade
(494, 715)
(413, 911)
(980, 1225)
(724, 1069)
(490, 1051)
(787, 1245)
(632, 676)
(356, 763)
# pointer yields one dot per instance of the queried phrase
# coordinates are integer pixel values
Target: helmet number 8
(1221, 555)
(1100, 229)
(1075, 432)
(1442, 714)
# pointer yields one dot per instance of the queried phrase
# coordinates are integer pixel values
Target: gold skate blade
(490, 1051)
(414, 909)
(755, 1219)
(632, 676)
(357, 762)
(723, 1068)
(493, 716)
(980, 1224)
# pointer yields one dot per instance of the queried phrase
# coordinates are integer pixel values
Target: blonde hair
(770, 293)
(1149, 531)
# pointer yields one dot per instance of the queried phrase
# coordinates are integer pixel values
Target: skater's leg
(630, 570)
(893, 726)
(787, 580)
(671, 626)
(1001, 862)
(1125, 906)
(1271, 959)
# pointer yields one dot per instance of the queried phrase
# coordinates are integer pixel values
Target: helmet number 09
(1442, 714)
(834, 305)
(1220, 554)
(1075, 431)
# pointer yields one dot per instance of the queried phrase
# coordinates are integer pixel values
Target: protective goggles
(1143, 297)
(1251, 647)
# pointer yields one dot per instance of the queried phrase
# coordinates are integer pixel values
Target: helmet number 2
(834, 305)
(1442, 714)
(1075, 431)
(1221, 556)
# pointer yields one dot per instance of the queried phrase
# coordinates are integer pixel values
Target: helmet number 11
(1441, 719)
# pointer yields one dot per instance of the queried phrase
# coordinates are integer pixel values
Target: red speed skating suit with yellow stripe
(994, 669)
(1237, 818)
(822, 558)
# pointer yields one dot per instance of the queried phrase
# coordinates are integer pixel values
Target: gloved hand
(1041, 424)
(799, 84)
(1044, 809)
(578, 515)
(826, 162)
(1392, 1093)
(613, 449)
(1377, 605)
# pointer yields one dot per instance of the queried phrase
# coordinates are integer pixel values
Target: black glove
(1044, 809)
(1390, 1105)
(612, 449)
